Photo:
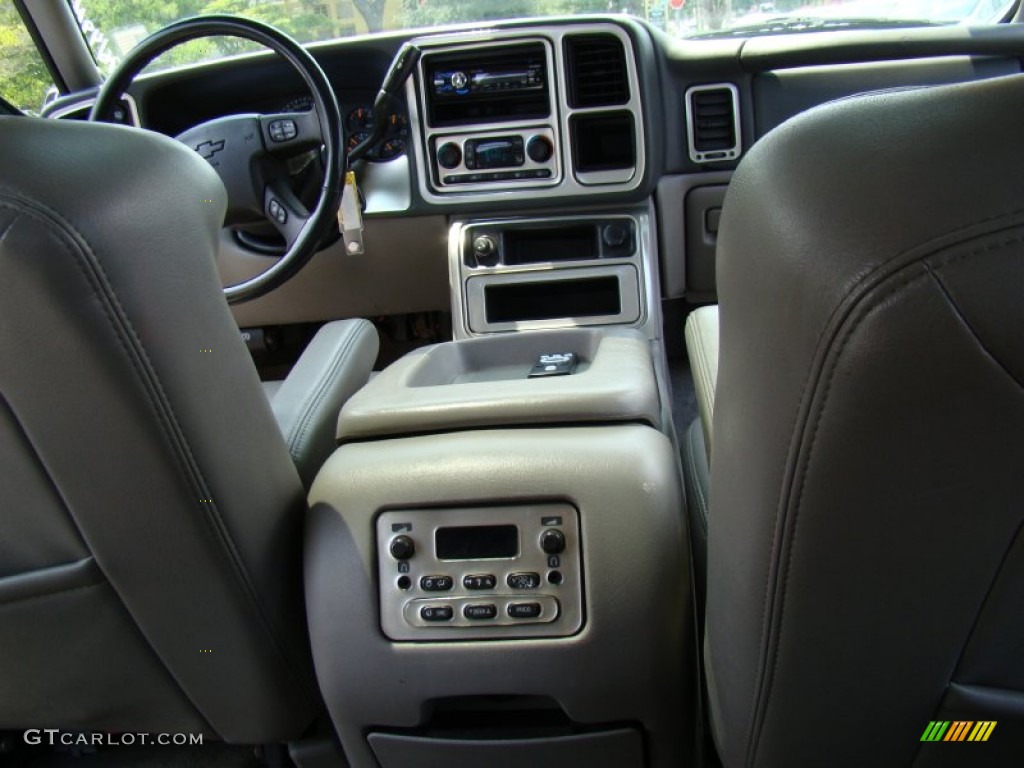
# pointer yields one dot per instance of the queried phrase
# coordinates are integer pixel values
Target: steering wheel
(247, 151)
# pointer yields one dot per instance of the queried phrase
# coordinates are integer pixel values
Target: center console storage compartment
(483, 382)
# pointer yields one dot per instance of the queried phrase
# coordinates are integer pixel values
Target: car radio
(477, 573)
(479, 80)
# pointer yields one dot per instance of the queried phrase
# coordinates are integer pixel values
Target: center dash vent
(596, 71)
(712, 122)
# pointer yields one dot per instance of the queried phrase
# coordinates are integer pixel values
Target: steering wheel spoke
(247, 150)
(285, 211)
(291, 132)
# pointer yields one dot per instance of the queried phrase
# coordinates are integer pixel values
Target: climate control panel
(522, 156)
(480, 572)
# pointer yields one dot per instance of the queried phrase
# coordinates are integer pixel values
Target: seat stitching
(65, 235)
(970, 328)
(317, 394)
(863, 312)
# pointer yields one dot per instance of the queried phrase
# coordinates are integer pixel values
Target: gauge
(359, 123)
(299, 104)
(355, 139)
(359, 119)
(391, 148)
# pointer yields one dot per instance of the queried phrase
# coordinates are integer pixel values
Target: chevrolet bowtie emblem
(208, 149)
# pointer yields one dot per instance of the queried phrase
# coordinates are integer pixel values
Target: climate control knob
(539, 149)
(449, 155)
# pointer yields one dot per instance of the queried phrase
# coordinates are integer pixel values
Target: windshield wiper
(798, 24)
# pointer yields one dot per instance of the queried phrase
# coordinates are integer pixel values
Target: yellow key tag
(350, 216)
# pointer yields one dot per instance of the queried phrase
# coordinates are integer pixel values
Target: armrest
(702, 349)
(337, 362)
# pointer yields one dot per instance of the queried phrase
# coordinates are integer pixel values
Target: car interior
(520, 392)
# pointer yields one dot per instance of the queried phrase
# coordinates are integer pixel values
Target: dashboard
(586, 118)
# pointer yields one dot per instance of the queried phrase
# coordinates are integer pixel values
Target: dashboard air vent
(596, 71)
(712, 122)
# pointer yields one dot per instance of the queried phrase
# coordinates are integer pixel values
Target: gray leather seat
(866, 559)
(150, 512)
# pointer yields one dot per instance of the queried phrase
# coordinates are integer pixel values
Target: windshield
(113, 27)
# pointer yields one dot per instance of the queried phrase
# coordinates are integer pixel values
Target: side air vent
(712, 122)
(595, 71)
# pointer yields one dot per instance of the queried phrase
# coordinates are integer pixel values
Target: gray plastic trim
(631, 662)
(469, 314)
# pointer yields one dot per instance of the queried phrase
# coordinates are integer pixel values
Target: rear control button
(436, 583)
(523, 610)
(477, 612)
(523, 580)
(479, 581)
(436, 613)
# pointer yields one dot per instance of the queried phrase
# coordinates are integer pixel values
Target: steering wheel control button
(480, 612)
(476, 582)
(523, 610)
(402, 548)
(283, 130)
(436, 613)
(436, 583)
(552, 541)
(523, 580)
(277, 212)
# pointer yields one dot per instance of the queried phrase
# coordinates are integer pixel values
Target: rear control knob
(402, 548)
(539, 149)
(485, 250)
(552, 541)
(449, 155)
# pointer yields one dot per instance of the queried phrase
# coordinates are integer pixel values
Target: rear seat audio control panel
(479, 573)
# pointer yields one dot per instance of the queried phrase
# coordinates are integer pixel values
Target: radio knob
(402, 547)
(484, 248)
(552, 541)
(539, 149)
(449, 155)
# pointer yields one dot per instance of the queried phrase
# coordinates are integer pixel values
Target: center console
(497, 569)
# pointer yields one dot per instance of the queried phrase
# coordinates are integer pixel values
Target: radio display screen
(477, 542)
(494, 152)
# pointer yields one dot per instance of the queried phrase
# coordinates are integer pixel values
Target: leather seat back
(866, 561)
(150, 567)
